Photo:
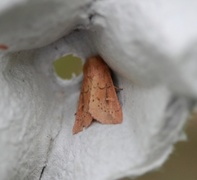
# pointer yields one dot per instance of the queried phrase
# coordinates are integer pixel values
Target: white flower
(150, 46)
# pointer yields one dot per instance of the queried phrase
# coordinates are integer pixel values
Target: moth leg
(118, 88)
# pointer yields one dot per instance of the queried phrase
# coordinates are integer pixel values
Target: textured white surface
(27, 24)
(153, 57)
(156, 39)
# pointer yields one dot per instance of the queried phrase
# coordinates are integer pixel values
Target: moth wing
(104, 105)
(83, 117)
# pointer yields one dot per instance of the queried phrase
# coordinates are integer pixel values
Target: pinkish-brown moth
(98, 99)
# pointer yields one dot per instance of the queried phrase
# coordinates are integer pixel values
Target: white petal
(154, 41)
(27, 24)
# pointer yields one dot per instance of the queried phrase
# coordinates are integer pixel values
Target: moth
(98, 99)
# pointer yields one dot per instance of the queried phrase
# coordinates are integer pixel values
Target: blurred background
(181, 164)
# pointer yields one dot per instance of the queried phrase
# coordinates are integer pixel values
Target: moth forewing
(98, 99)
